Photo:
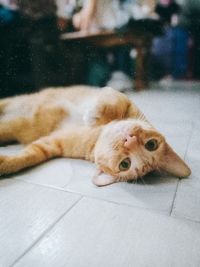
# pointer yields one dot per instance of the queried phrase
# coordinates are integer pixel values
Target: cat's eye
(125, 164)
(151, 145)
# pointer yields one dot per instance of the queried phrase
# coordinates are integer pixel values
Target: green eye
(151, 145)
(125, 164)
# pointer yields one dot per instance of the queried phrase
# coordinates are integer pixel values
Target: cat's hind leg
(33, 154)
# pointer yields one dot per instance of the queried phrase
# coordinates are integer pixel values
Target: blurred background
(38, 48)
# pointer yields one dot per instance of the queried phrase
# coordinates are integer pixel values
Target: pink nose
(130, 141)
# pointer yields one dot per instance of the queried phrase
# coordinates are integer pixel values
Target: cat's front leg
(39, 151)
(110, 105)
(103, 112)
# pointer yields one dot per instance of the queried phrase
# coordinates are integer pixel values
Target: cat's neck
(79, 142)
(88, 141)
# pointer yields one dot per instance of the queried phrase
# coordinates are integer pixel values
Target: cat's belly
(17, 109)
(78, 112)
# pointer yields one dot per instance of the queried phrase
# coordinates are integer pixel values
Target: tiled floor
(52, 215)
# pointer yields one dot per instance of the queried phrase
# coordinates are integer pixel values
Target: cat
(99, 125)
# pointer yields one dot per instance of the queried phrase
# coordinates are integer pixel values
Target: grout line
(92, 197)
(160, 212)
(66, 190)
(45, 232)
(155, 212)
(163, 212)
(179, 179)
(46, 186)
(175, 194)
(185, 218)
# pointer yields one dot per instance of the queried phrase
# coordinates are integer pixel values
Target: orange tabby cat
(102, 126)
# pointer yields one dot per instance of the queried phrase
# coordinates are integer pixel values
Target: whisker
(140, 116)
(143, 181)
(158, 170)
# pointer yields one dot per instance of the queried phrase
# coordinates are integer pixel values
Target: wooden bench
(106, 39)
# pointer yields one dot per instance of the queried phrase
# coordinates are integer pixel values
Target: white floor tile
(26, 212)
(155, 192)
(187, 201)
(56, 173)
(97, 233)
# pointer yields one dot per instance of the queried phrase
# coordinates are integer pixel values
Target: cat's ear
(101, 179)
(173, 164)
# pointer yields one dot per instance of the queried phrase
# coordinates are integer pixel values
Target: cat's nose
(130, 141)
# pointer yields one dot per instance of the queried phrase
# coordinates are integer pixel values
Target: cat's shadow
(154, 178)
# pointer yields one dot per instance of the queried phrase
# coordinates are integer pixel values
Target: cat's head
(129, 149)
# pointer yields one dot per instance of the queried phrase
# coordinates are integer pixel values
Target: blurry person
(65, 9)
(170, 50)
(83, 19)
(11, 4)
(103, 66)
(168, 11)
(141, 9)
(97, 15)
(100, 14)
(190, 20)
(111, 14)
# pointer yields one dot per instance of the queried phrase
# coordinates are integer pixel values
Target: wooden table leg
(142, 66)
